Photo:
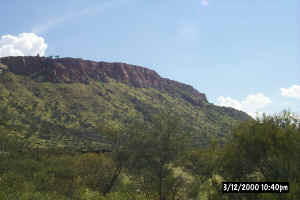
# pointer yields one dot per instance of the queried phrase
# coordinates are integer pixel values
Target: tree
(96, 171)
(116, 136)
(155, 148)
(266, 149)
(204, 163)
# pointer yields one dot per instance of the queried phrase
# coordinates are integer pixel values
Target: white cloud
(24, 44)
(252, 104)
(293, 91)
(204, 2)
(229, 102)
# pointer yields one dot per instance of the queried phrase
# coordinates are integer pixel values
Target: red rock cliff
(69, 70)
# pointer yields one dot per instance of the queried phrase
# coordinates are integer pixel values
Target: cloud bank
(24, 44)
(251, 104)
(293, 92)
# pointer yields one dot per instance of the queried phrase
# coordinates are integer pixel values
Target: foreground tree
(266, 149)
(203, 164)
(155, 149)
(96, 171)
(117, 138)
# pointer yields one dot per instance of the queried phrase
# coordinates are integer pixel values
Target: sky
(242, 54)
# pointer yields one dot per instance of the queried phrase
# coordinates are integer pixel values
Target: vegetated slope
(61, 101)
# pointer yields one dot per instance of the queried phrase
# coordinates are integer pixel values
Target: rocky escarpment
(70, 70)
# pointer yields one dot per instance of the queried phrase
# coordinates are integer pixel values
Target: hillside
(61, 101)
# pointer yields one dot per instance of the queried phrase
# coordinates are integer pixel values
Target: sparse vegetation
(68, 114)
(111, 141)
(153, 161)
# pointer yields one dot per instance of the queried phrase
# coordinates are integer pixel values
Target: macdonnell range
(60, 101)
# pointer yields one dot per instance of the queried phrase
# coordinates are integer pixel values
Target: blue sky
(243, 54)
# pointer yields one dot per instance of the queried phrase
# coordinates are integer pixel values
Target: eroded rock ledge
(70, 70)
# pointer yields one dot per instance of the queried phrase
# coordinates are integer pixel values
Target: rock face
(70, 70)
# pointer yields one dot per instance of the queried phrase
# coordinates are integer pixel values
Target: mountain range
(60, 101)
